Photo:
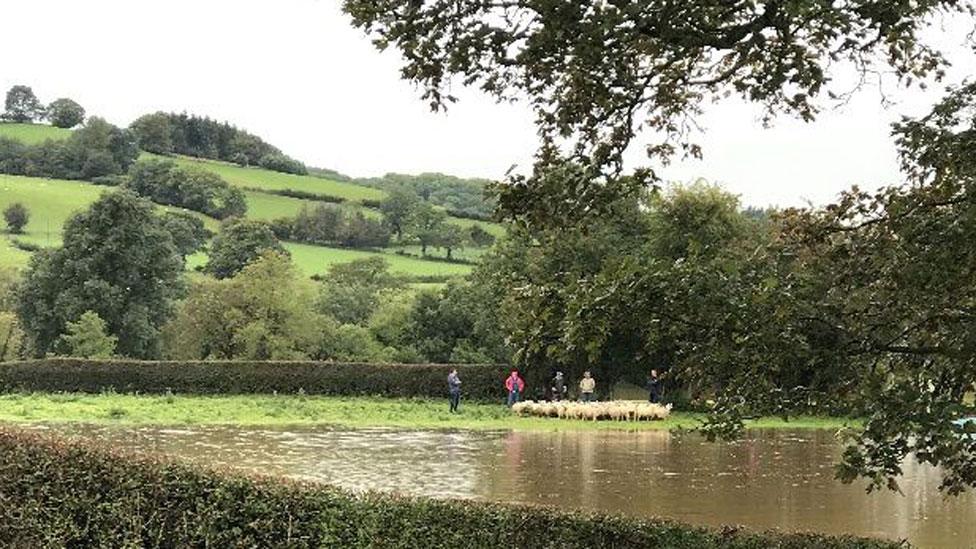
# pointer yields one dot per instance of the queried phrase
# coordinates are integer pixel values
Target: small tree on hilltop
(22, 105)
(65, 113)
(16, 215)
(239, 243)
(88, 338)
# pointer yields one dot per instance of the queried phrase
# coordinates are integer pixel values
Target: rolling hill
(51, 202)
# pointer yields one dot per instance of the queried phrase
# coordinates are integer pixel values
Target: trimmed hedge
(72, 494)
(479, 382)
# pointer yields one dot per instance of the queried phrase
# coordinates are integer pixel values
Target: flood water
(769, 479)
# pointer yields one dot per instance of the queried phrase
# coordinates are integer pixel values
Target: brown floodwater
(769, 479)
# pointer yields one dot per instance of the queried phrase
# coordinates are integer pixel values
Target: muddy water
(770, 479)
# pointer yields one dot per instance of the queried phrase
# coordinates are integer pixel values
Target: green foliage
(397, 208)
(87, 338)
(239, 243)
(65, 113)
(330, 225)
(22, 105)
(12, 337)
(62, 493)
(118, 261)
(95, 150)
(427, 224)
(16, 216)
(163, 182)
(351, 291)
(481, 382)
(594, 72)
(189, 232)
(262, 313)
(462, 197)
(201, 137)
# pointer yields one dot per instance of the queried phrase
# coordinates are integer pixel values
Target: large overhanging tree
(597, 71)
(869, 303)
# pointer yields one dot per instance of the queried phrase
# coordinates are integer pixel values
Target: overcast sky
(297, 74)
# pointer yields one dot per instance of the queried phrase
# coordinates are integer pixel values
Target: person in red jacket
(515, 386)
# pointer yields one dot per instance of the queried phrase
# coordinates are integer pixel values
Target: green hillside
(32, 133)
(51, 202)
(261, 179)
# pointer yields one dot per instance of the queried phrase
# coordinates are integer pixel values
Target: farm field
(314, 260)
(261, 179)
(267, 207)
(31, 133)
(50, 201)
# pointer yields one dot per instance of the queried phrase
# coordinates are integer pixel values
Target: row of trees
(330, 225)
(202, 137)
(24, 107)
(411, 217)
(97, 149)
(461, 197)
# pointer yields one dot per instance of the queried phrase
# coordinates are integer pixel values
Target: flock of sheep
(616, 410)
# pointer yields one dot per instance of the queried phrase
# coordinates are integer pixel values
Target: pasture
(31, 133)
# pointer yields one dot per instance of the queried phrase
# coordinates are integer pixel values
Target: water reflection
(769, 479)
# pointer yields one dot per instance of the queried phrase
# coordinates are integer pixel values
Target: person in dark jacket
(454, 389)
(654, 387)
(558, 387)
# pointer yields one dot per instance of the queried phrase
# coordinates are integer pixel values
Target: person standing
(587, 385)
(454, 389)
(558, 387)
(515, 386)
(654, 387)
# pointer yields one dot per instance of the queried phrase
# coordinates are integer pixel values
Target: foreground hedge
(71, 494)
(480, 382)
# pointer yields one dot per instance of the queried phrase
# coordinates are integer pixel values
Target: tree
(22, 105)
(65, 113)
(153, 133)
(450, 237)
(238, 243)
(16, 215)
(87, 338)
(11, 337)
(188, 231)
(350, 291)
(397, 209)
(118, 261)
(594, 71)
(426, 224)
(263, 313)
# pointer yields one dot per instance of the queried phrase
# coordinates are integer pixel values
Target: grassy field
(32, 133)
(260, 179)
(50, 202)
(315, 410)
(267, 207)
(314, 260)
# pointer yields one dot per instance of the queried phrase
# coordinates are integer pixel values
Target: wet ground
(770, 479)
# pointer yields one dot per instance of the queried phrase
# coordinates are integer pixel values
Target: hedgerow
(480, 382)
(59, 493)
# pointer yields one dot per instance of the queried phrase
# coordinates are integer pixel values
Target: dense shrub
(65, 113)
(280, 163)
(481, 382)
(163, 182)
(58, 493)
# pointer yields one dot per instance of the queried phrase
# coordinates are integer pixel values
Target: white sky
(297, 74)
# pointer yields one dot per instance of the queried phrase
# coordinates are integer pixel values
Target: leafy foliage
(95, 150)
(239, 243)
(65, 113)
(16, 216)
(22, 105)
(169, 133)
(163, 182)
(595, 71)
(118, 261)
(87, 338)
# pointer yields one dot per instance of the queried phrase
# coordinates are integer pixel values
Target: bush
(304, 195)
(280, 163)
(24, 245)
(58, 493)
(481, 382)
(65, 113)
(16, 216)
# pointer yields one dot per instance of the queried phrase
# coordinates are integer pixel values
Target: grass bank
(271, 410)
